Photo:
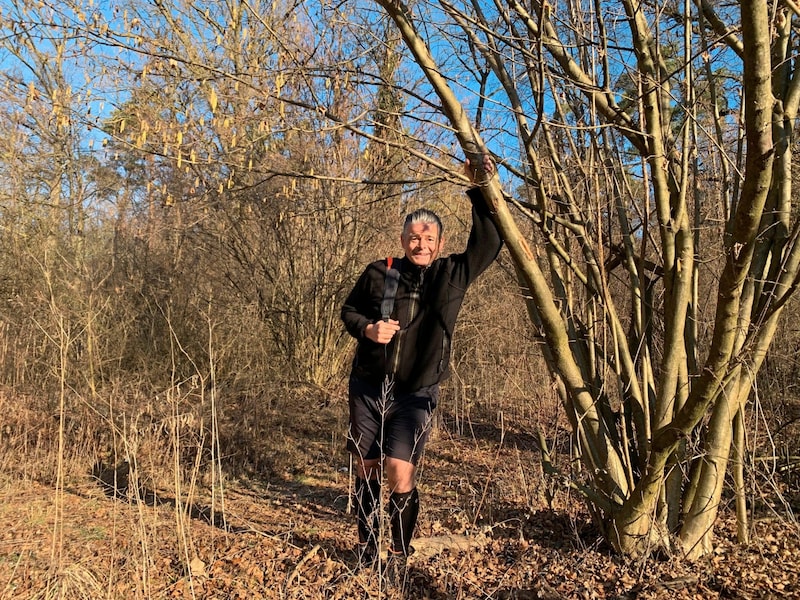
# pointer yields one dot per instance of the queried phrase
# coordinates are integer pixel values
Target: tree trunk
(634, 444)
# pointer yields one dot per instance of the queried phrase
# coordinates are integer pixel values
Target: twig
(296, 570)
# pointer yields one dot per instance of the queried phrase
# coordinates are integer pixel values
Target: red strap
(388, 262)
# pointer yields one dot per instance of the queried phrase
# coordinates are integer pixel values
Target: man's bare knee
(401, 475)
(368, 469)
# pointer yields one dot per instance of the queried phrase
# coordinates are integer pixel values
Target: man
(401, 358)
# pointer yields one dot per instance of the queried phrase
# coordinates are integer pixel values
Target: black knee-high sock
(403, 511)
(368, 494)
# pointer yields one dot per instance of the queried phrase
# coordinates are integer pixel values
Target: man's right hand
(470, 169)
(381, 332)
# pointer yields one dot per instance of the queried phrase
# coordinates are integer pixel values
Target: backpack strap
(389, 290)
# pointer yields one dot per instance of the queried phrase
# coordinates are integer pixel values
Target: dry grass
(163, 531)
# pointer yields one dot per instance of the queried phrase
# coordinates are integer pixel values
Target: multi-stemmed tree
(650, 144)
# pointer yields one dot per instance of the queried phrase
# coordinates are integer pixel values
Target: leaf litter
(287, 534)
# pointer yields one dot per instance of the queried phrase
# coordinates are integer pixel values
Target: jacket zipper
(416, 294)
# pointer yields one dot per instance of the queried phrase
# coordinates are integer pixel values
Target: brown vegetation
(275, 524)
(186, 194)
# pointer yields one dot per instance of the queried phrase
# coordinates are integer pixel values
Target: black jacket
(421, 349)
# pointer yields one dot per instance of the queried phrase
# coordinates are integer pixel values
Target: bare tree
(611, 126)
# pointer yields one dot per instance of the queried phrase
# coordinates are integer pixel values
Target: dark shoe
(366, 556)
(395, 571)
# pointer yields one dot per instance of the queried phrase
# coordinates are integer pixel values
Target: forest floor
(486, 531)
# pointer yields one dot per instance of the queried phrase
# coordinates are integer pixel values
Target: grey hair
(423, 215)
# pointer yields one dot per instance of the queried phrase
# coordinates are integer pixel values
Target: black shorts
(384, 425)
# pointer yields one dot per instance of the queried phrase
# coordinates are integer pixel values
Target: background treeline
(175, 248)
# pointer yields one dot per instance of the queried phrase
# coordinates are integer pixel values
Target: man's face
(421, 243)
